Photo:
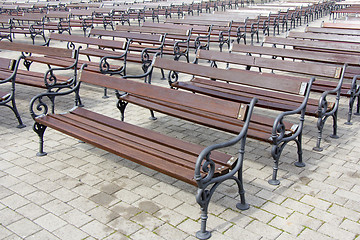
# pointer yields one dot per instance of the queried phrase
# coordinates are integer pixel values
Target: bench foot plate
(318, 149)
(242, 206)
(203, 235)
(274, 182)
(348, 123)
(334, 136)
(299, 164)
(41, 154)
(357, 114)
(21, 126)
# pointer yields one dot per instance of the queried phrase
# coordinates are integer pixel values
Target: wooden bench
(320, 108)
(264, 128)
(326, 52)
(187, 162)
(8, 69)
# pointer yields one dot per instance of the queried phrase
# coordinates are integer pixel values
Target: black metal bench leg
(300, 162)
(105, 93)
(203, 198)
(152, 117)
(242, 205)
(40, 130)
(320, 128)
(16, 112)
(334, 135)
(357, 113)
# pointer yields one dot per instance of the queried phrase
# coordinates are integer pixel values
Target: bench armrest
(40, 107)
(323, 103)
(105, 66)
(205, 164)
(14, 65)
(279, 133)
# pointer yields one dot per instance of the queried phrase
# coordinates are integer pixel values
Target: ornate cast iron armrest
(105, 66)
(279, 133)
(149, 70)
(38, 107)
(323, 104)
(204, 162)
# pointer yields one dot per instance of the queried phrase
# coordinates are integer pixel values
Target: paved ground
(80, 192)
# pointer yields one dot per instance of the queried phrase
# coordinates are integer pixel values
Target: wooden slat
(164, 94)
(246, 77)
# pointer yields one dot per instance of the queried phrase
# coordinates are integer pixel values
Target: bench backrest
(341, 25)
(333, 31)
(171, 31)
(208, 104)
(327, 71)
(324, 57)
(324, 37)
(43, 50)
(320, 45)
(129, 35)
(249, 78)
(88, 40)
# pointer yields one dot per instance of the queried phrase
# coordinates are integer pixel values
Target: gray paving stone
(50, 222)
(24, 227)
(97, 230)
(70, 232)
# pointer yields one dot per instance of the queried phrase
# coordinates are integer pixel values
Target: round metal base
(152, 118)
(318, 149)
(334, 136)
(203, 235)
(104, 97)
(357, 114)
(163, 78)
(21, 126)
(41, 154)
(274, 182)
(299, 164)
(348, 123)
(242, 206)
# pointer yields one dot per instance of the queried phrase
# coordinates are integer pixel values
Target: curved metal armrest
(323, 102)
(13, 68)
(204, 162)
(105, 66)
(149, 71)
(278, 132)
(41, 108)
(354, 87)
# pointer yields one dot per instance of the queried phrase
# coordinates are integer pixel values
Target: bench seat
(134, 143)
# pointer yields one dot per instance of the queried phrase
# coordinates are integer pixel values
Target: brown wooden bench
(187, 162)
(320, 108)
(265, 128)
(326, 52)
(324, 37)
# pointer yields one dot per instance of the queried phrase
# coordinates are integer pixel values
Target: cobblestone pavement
(80, 192)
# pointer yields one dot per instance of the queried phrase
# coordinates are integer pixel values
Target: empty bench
(191, 163)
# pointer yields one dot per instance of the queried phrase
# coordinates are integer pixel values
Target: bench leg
(40, 130)
(16, 112)
(320, 125)
(300, 162)
(334, 135)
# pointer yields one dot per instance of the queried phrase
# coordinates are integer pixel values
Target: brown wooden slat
(51, 51)
(119, 149)
(218, 106)
(246, 77)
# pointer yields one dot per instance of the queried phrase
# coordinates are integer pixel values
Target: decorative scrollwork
(323, 106)
(104, 65)
(279, 131)
(50, 79)
(38, 107)
(71, 45)
(173, 77)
